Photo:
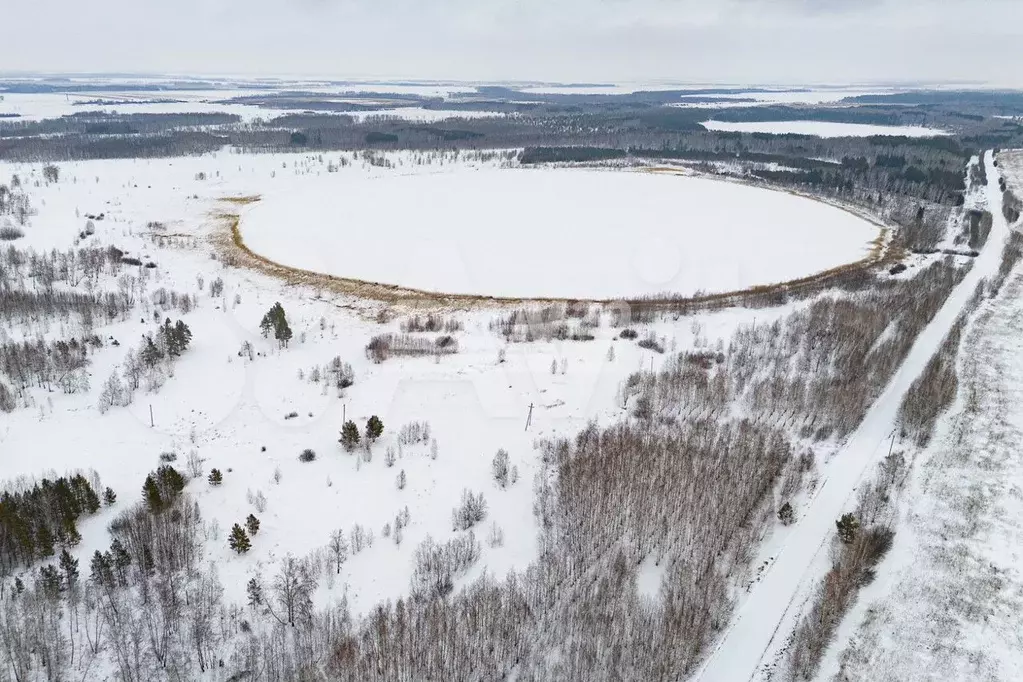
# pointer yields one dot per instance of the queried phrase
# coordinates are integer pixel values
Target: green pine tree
(171, 480)
(109, 497)
(238, 540)
(101, 570)
(152, 495)
(69, 567)
(374, 428)
(44, 540)
(349, 435)
(848, 526)
(215, 478)
(48, 581)
(252, 524)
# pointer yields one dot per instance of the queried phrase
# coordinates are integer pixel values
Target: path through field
(758, 630)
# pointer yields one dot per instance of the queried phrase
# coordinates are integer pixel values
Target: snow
(756, 636)
(35, 107)
(577, 233)
(421, 115)
(821, 128)
(948, 602)
(227, 408)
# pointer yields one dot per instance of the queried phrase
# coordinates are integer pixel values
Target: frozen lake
(551, 232)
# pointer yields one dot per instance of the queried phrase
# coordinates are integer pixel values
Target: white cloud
(682, 40)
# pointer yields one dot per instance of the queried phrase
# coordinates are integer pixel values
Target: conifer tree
(101, 570)
(152, 495)
(238, 540)
(374, 428)
(215, 478)
(276, 321)
(69, 567)
(44, 540)
(349, 435)
(109, 497)
(848, 526)
(255, 592)
(48, 581)
(252, 524)
(119, 560)
(171, 480)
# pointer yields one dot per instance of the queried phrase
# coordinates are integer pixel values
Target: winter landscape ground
(339, 381)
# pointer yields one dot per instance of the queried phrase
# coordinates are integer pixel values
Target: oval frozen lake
(535, 233)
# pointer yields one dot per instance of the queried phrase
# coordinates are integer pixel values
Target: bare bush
(471, 510)
(438, 566)
(383, 346)
(431, 323)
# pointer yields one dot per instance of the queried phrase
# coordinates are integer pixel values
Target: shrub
(651, 343)
(383, 346)
(437, 566)
(291, 415)
(168, 457)
(501, 469)
(307, 455)
(786, 515)
(471, 511)
(629, 334)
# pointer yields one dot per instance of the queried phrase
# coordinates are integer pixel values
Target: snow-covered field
(34, 107)
(233, 412)
(549, 232)
(822, 128)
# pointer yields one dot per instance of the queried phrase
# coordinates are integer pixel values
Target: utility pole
(529, 417)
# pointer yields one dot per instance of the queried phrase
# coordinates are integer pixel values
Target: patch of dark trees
(36, 520)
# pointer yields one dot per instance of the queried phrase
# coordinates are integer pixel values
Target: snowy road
(758, 631)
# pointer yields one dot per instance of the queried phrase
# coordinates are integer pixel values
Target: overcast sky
(739, 41)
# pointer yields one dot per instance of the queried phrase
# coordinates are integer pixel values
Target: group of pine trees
(276, 321)
(350, 436)
(35, 521)
(240, 539)
(162, 488)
